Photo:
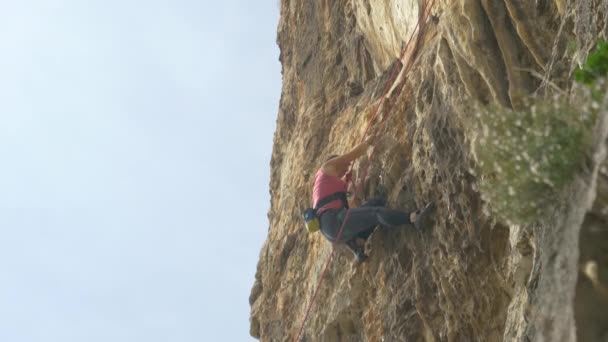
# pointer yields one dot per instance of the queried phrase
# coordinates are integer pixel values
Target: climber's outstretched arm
(339, 165)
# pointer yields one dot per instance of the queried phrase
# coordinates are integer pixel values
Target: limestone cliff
(472, 276)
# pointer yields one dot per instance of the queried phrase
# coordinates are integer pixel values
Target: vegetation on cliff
(527, 156)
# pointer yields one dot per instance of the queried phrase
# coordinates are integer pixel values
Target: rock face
(470, 277)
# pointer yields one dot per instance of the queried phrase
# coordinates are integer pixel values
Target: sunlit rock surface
(470, 277)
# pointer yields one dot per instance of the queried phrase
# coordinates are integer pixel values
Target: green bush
(525, 158)
(595, 66)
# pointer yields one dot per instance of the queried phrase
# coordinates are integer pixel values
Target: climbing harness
(423, 19)
(311, 218)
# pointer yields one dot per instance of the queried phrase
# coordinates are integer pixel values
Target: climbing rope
(422, 23)
(423, 19)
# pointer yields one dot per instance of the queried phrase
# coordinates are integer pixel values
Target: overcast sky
(135, 140)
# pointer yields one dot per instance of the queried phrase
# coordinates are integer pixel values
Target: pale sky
(135, 141)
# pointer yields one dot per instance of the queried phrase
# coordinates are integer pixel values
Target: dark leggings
(361, 221)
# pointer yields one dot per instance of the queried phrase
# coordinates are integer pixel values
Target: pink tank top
(326, 185)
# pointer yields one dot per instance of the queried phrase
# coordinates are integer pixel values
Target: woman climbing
(329, 197)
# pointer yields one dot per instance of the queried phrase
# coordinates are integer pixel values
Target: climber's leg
(375, 202)
(359, 220)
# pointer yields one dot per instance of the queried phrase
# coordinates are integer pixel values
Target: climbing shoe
(360, 257)
(423, 216)
(357, 246)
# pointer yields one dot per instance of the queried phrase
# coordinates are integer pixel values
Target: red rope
(394, 72)
(427, 12)
(349, 173)
(331, 255)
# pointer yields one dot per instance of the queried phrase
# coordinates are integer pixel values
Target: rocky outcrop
(471, 277)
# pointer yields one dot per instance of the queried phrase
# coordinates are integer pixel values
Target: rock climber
(330, 189)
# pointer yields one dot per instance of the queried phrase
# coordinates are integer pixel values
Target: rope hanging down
(423, 19)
